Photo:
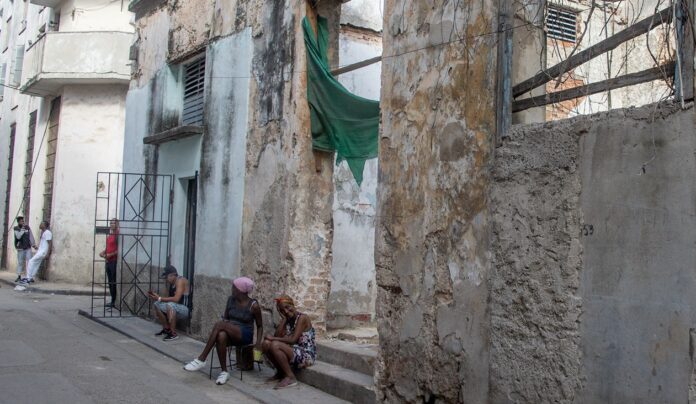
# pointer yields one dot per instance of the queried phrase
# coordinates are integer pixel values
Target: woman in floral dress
(294, 344)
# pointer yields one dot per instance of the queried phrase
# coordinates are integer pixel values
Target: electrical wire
(396, 55)
(31, 174)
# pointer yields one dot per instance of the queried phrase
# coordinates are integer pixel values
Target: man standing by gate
(24, 241)
(110, 255)
(45, 248)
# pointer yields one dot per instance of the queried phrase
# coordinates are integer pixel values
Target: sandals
(285, 383)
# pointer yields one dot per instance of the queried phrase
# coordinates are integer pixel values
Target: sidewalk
(57, 288)
(185, 349)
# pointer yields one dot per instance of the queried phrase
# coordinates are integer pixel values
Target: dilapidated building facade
(544, 262)
(218, 101)
(504, 266)
(64, 75)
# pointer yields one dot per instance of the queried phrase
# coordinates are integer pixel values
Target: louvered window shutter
(3, 71)
(562, 24)
(194, 93)
(18, 62)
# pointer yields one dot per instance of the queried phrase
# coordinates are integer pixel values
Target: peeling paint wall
(287, 234)
(432, 255)
(353, 284)
(264, 210)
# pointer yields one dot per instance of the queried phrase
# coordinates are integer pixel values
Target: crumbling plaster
(432, 255)
(537, 256)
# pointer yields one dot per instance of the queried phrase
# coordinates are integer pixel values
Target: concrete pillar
(432, 238)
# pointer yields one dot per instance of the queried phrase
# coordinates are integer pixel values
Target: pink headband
(244, 284)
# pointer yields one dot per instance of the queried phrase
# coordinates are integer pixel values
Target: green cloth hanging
(341, 121)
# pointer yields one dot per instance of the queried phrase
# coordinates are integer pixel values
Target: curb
(237, 384)
(65, 292)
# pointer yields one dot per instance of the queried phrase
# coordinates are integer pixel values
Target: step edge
(355, 378)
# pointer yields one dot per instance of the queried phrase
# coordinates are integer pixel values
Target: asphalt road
(50, 354)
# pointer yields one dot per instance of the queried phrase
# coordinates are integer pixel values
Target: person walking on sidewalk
(176, 306)
(43, 252)
(110, 255)
(235, 329)
(24, 241)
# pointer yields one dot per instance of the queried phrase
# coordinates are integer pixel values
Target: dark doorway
(190, 242)
(6, 222)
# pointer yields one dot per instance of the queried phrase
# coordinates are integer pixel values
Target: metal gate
(142, 204)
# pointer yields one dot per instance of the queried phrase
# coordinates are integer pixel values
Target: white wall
(353, 286)
(95, 15)
(15, 108)
(90, 140)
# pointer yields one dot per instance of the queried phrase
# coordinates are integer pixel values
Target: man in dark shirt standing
(24, 241)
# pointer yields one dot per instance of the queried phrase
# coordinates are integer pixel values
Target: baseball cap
(168, 270)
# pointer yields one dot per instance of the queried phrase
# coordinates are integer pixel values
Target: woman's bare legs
(222, 342)
(234, 333)
(282, 354)
(266, 348)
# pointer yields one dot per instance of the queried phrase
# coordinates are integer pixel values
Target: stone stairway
(344, 370)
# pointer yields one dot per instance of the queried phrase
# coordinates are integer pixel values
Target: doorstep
(47, 287)
(185, 349)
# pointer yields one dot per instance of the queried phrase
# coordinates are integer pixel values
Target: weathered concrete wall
(535, 306)
(638, 281)
(432, 257)
(594, 215)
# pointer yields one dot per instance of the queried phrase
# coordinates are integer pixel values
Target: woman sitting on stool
(236, 328)
(293, 346)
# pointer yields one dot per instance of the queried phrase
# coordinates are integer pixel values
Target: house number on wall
(587, 230)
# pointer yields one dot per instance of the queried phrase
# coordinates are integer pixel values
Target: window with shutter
(194, 93)
(18, 63)
(3, 71)
(562, 24)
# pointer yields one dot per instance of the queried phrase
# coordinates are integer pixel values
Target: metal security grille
(6, 220)
(29, 164)
(562, 24)
(194, 93)
(143, 205)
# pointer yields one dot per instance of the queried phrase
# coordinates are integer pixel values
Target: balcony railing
(61, 58)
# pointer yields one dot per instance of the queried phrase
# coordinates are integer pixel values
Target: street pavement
(50, 354)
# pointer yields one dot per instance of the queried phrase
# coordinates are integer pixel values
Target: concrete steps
(344, 370)
(358, 357)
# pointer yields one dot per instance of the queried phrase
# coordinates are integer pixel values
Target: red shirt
(111, 247)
